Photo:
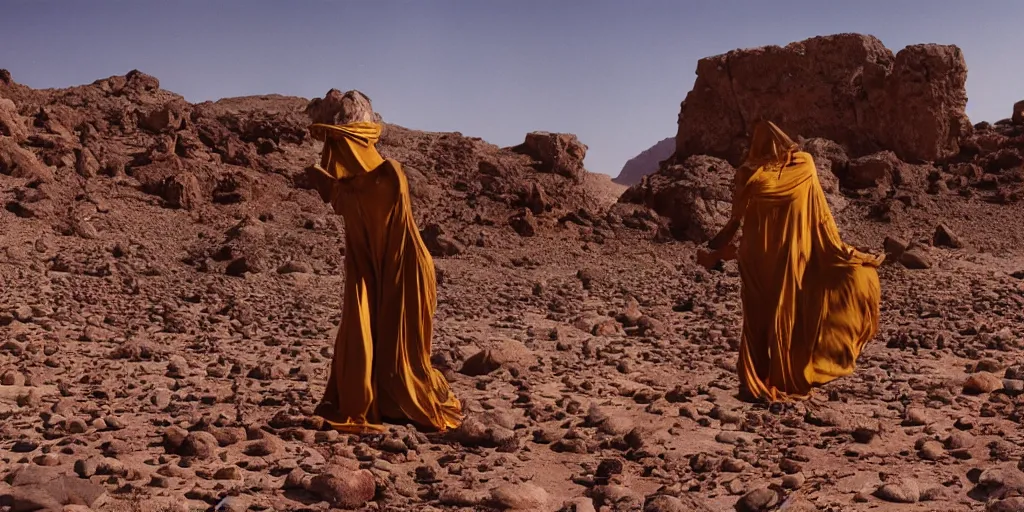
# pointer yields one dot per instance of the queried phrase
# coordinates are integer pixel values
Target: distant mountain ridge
(646, 162)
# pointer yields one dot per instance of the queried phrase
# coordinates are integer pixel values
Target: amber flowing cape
(810, 301)
(381, 368)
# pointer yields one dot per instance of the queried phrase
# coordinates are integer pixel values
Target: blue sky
(613, 72)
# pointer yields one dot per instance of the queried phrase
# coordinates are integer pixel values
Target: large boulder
(19, 162)
(848, 88)
(646, 162)
(695, 195)
(1018, 113)
(11, 123)
(170, 117)
(873, 171)
(559, 153)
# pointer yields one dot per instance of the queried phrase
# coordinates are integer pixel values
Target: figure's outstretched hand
(707, 259)
(728, 252)
(711, 259)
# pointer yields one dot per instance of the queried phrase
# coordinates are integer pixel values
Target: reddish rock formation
(11, 123)
(604, 350)
(848, 88)
(559, 153)
(695, 195)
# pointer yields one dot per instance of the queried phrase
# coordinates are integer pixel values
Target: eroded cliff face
(848, 88)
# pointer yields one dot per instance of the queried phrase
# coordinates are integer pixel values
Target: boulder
(524, 223)
(945, 237)
(86, 164)
(344, 488)
(848, 88)
(183, 191)
(1018, 113)
(439, 243)
(137, 81)
(11, 123)
(519, 497)
(695, 195)
(873, 171)
(42, 488)
(166, 118)
(18, 162)
(558, 153)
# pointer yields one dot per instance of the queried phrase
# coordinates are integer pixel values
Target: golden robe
(810, 301)
(381, 368)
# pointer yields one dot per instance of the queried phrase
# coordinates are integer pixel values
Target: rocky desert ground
(171, 287)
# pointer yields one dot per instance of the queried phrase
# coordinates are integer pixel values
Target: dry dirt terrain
(171, 286)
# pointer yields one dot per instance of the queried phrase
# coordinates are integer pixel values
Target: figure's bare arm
(739, 208)
(725, 236)
(323, 184)
(721, 245)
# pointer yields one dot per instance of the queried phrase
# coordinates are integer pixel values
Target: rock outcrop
(558, 153)
(695, 195)
(646, 162)
(11, 123)
(848, 88)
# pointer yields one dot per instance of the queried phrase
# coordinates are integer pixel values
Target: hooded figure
(810, 301)
(381, 368)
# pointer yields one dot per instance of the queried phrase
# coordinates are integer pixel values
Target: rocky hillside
(171, 289)
(646, 162)
(125, 135)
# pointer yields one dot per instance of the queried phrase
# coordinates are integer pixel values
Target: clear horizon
(612, 72)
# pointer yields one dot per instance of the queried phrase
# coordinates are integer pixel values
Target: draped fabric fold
(381, 368)
(349, 149)
(810, 301)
